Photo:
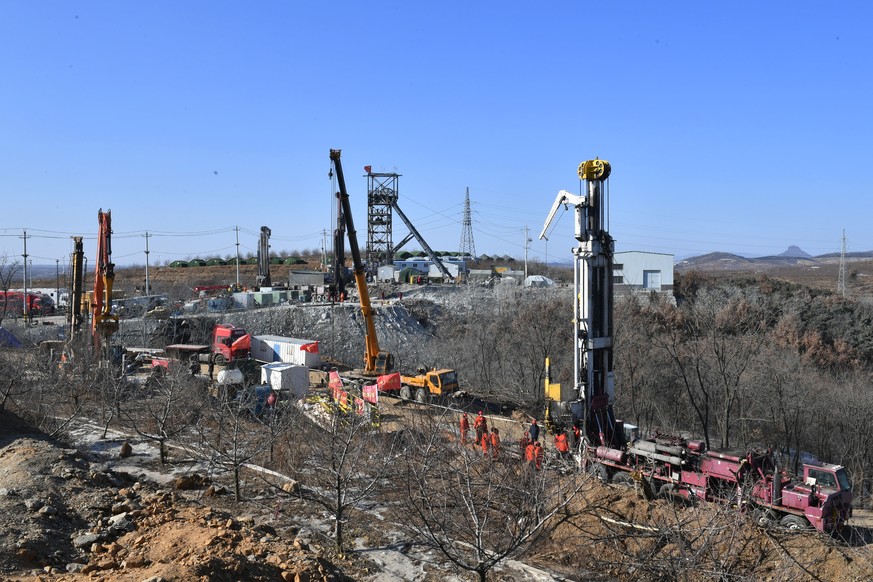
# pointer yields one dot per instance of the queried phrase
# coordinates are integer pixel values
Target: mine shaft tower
(382, 194)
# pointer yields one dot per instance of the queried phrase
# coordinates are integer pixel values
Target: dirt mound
(63, 517)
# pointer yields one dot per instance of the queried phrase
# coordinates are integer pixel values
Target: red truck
(822, 497)
(229, 344)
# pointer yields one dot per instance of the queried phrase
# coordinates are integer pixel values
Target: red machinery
(104, 323)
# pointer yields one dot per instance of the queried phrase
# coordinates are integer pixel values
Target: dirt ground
(66, 514)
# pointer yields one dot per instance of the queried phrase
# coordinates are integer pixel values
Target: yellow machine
(436, 382)
(376, 361)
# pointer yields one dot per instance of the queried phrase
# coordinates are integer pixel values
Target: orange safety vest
(561, 443)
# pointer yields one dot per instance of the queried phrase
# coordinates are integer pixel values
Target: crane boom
(104, 323)
(375, 360)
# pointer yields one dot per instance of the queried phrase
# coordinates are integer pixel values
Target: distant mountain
(793, 256)
(795, 252)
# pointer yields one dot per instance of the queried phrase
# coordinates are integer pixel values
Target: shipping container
(291, 379)
(288, 350)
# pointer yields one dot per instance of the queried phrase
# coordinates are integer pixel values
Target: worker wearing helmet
(538, 455)
(481, 426)
(465, 428)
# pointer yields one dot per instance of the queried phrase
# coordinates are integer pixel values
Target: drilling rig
(594, 383)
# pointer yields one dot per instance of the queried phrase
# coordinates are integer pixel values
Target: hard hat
(480, 413)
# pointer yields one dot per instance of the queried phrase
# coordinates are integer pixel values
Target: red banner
(388, 382)
(371, 393)
(311, 348)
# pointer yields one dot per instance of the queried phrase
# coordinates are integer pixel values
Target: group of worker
(532, 450)
(488, 441)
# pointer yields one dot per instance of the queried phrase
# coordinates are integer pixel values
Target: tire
(598, 471)
(765, 517)
(219, 359)
(405, 393)
(622, 478)
(421, 395)
(794, 523)
(667, 491)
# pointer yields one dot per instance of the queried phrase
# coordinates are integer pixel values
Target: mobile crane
(376, 361)
(672, 466)
(104, 323)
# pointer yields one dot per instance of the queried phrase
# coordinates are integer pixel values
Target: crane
(376, 361)
(104, 323)
(594, 380)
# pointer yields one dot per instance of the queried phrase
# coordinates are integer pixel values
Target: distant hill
(795, 252)
(793, 256)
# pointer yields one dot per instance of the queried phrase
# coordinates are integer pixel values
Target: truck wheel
(599, 472)
(405, 393)
(622, 478)
(794, 523)
(421, 396)
(765, 517)
(219, 359)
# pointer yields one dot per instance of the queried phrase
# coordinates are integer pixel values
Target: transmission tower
(468, 247)
(841, 281)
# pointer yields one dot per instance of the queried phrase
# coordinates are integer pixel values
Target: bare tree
(344, 462)
(8, 271)
(476, 510)
(164, 408)
(238, 429)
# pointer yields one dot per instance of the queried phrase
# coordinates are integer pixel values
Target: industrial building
(635, 271)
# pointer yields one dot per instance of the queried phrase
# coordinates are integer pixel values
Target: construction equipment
(264, 279)
(77, 288)
(670, 465)
(104, 323)
(428, 382)
(594, 387)
(376, 361)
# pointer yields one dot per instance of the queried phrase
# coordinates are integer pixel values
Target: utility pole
(324, 249)
(57, 283)
(25, 313)
(841, 281)
(527, 240)
(236, 228)
(147, 235)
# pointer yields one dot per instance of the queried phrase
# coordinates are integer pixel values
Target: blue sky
(743, 127)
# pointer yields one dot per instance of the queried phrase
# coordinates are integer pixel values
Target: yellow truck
(428, 382)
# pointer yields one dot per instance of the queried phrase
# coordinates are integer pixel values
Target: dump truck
(229, 344)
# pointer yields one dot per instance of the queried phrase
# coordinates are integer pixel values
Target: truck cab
(230, 343)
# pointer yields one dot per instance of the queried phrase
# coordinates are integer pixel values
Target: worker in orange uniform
(481, 427)
(465, 428)
(561, 444)
(577, 436)
(485, 441)
(530, 453)
(538, 455)
(523, 443)
(495, 442)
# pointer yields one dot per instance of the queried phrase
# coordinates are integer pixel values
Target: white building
(642, 271)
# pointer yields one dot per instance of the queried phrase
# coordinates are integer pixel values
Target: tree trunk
(236, 488)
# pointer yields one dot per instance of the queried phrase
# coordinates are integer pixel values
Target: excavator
(104, 323)
(376, 361)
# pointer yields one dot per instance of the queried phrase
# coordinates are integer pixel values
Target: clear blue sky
(742, 127)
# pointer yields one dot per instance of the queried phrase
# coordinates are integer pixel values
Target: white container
(288, 350)
(227, 377)
(294, 380)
